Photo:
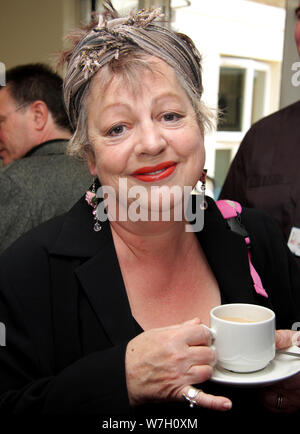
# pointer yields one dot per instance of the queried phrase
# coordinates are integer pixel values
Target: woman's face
(149, 136)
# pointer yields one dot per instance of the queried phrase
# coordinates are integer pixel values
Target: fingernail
(296, 339)
(227, 405)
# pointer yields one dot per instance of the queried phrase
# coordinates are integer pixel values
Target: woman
(109, 320)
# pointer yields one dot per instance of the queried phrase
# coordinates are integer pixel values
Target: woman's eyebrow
(167, 95)
(115, 105)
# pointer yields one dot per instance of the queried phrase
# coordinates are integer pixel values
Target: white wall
(289, 92)
(34, 30)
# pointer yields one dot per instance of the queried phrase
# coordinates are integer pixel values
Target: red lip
(146, 173)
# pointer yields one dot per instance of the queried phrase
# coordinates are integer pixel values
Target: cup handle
(212, 331)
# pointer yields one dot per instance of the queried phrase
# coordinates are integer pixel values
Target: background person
(37, 180)
(109, 321)
(265, 171)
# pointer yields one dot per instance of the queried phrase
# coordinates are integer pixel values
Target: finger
(195, 320)
(296, 339)
(198, 335)
(277, 401)
(180, 326)
(198, 397)
(286, 338)
(198, 374)
(269, 400)
(213, 402)
(202, 355)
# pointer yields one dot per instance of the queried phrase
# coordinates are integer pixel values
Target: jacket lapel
(99, 273)
(103, 284)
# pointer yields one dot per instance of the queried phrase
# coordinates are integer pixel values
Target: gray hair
(109, 44)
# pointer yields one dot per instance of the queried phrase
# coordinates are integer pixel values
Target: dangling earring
(203, 205)
(92, 200)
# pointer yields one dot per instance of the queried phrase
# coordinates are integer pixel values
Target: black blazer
(67, 316)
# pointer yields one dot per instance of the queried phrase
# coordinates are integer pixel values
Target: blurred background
(248, 51)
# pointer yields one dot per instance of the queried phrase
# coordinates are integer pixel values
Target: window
(243, 98)
(230, 99)
(243, 93)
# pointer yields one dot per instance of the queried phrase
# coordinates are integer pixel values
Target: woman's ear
(201, 126)
(91, 161)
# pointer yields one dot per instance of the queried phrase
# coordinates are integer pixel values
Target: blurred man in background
(37, 179)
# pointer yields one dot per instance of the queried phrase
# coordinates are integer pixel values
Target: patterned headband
(112, 38)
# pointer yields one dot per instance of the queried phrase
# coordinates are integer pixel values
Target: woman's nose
(150, 140)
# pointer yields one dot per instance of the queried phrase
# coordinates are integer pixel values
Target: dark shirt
(265, 171)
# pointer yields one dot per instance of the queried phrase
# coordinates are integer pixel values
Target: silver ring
(191, 395)
(279, 401)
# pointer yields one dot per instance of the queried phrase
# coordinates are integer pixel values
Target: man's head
(31, 110)
(297, 30)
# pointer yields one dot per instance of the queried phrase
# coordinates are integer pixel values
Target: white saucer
(283, 366)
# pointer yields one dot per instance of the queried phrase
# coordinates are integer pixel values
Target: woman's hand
(163, 363)
(284, 396)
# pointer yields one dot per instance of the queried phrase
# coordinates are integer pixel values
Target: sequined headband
(114, 36)
(110, 33)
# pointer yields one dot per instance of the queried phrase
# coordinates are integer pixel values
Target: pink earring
(92, 200)
(202, 179)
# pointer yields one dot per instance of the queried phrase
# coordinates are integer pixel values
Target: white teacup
(244, 336)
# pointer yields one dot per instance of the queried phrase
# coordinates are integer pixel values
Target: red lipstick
(155, 173)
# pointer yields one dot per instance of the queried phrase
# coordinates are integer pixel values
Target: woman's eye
(117, 130)
(171, 117)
